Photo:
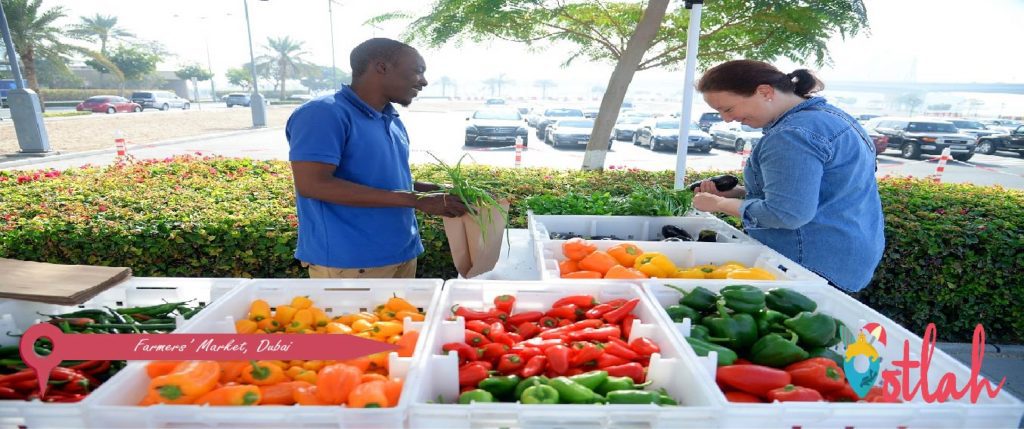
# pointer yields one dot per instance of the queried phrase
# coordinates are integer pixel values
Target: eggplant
(722, 182)
(671, 231)
(708, 235)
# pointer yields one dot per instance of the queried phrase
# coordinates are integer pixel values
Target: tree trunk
(28, 64)
(639, 42)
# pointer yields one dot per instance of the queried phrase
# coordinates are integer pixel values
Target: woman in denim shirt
(810, 189)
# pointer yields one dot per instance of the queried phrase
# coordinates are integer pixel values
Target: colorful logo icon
(862, 361)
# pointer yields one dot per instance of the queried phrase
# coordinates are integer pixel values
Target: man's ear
(380, 67)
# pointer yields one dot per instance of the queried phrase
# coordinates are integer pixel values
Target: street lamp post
(209, 63)
(26, 112)
(334, 66)
(259, 112)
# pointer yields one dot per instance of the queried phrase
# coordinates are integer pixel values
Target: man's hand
(440, 205)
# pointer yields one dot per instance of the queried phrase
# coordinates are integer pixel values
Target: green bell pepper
(702, 348)
(826, 353)
(475, 395)
(501, 386)
(678, 312)
(526, 383)
(769, 321)
(619, 383)
(699, 331)
(633, 397)
(539, 394)
(775, 351)
(591, 379)
(738, 331)
(699, 299)
(814, 329)
(743, 298)
(789, 302)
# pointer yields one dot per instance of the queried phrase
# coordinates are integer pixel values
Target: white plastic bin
(16, 316)
(114, 406)
(1003, 411)
(631, 228)
(436, 375)
(691, 253)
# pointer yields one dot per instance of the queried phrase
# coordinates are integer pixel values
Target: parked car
(162, 100)
(974, 128)
(734, 135)
(551, 115)
(1013, 141)
(570, 131)
(1003, 126)
(914, 136)
(108, 104)
(590, 112)
(625, 127)
(495, 101)
(664, 132)
(880, 140)
(237, 99)
(707, 119)
(495, 126)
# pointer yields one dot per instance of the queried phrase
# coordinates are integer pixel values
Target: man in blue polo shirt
(355, 194)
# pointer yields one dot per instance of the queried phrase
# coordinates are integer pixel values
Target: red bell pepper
(476, 339)
(526, 316)
(504, 303)
(753, 379)
(580, 301)
(644, 347)
(479, 326)
(791, 393)
(843, 394)
(498, 334)
(528, 330)
(534, 366)
(526, 352)
(465, 352)
(548, 322)
(877, 394)
(632, 370)
(510, 363)
(558, 358)
(618, 314)
(472, 374)
(821, 374)
(743, 397)
(584, 352)
(493, 351)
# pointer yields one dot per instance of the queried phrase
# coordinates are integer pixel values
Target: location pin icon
(43, 365)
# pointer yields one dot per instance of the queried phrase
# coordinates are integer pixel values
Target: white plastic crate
(1004, 411)
(16, 316)
(436, 375)
(691, 253)
(631, 228)
(114, 407)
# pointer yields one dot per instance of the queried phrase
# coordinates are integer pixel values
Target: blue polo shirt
(370, 148)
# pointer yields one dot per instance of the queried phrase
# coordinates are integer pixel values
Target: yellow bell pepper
(690, 273)
(655, 264)
(750, 274)
(723, 270)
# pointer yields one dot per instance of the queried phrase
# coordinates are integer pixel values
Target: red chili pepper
(526, 352)
(468, 314)
(843, 394)
(742, 397)
(465, 352)
(753, 379)
(25, 374)
(644, 347)
(77, 397)
(476, 339)
(877, 394)
(502, 316)
(619, 348)
(821, 374)
(504, 303)
(790, 393)
(567, 312)
(592, 334)
(8, 393)
(516, 338)
(627, 325)
(618, 314)
(493, 351)
(78, 322)
(581, 301)
(478, 326)
(526, 316)
(606, 359)
(558, 358)
(541, 343)
(485, 363)
(496, 330)
(534, 366)
(560, 331)
(598, 311)
(510, 363)
(632, 370)
(548, 322)
(575, 371)
(584, 352)
(471, 374)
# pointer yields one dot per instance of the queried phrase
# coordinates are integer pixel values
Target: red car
(108, 104)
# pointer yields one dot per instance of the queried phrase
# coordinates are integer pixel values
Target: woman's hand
(706, 201)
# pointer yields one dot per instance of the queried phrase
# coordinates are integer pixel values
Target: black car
(552, 115)
(707, 119)
(914, 136)
(1011, 142)
(495, 126)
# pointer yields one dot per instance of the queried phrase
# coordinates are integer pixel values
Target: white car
(570, 131)
(734, 135)
(664, 132)
(974, 128)
(495, 126)
(1003, 126)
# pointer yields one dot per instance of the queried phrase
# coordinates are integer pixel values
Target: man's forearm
(347, 193)
(425, 187)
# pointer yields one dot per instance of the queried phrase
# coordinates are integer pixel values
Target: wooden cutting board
(55, 283)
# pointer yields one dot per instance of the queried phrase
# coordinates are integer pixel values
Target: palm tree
(285, 55)
(101, 28)
(544, 84)
(35, 35)
(445, 81)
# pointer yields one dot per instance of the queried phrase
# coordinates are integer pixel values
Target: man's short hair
(379, 48)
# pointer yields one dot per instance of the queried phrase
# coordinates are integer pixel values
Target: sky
(908, 40)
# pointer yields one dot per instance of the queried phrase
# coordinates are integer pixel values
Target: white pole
(692, 39)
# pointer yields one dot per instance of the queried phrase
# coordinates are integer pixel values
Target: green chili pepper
(678, 312)
(775, 351)
(738, 331)
(153, 310)
(574, 393)
(91, 313)
(476, 395)
(633, 397)
(540, 394)
(814, 329)
(528, 382)
(788, 301)
(699, 331)
(703, 348)
(665, 399)
(619, 383)
(769, 321)
(9, 351)
(501, 386)
(113, 326)
(743, 298)
(591, 379)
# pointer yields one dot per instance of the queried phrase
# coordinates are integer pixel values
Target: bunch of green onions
(476, 197)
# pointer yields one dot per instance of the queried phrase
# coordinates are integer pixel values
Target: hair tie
(793, 77)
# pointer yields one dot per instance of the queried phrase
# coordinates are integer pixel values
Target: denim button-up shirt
(812, 194)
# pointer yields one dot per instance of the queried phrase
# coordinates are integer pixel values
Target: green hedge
(952, 254)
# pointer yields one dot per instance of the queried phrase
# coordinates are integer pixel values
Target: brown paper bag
(472, 254)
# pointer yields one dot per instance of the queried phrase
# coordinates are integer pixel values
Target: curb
(18, 161)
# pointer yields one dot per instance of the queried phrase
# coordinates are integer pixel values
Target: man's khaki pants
(402, 270)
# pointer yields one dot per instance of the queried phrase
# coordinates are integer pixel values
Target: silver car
(734, 135)
(162, 100)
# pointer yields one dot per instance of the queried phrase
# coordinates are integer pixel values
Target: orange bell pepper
(161, 367)
(259, 310)
(393, 390)
(238, 394)
(625, 253)
(263, 373)
(368, 377)
(186, 383)
(280, 393)
(415, 316)
(582, 275)
(302, 302)
(407, 343)
(397, 304)
(620, 272)
(231, 370)
(599, 261)
(245, 326)
(307, 395)
(577, 248)
(335, 382)
(567, 266)
(283, 314)
(368, 395)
